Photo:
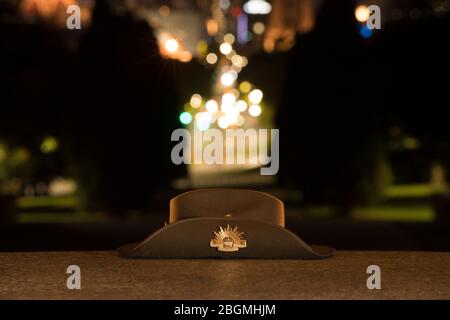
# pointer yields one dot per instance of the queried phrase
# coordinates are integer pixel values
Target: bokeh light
(257, 7)
(237, 60)
(255, 96)
(185, 118)
(229, 38)
(244, 61)
(365, 32)
(228, 99)
(212, 106)
(224, 4)
(259, 28)
(196, 100)
(362, 13)
(185, 56)
(236, 68)
(227, 78)
(171, 45)
(49, 145)
(235, 92)
(223, 122)
(212, 27)
(241, 105)
(225, 48)
(245, 87)
(254, 110)
(202, 125)
(211, 58)
(203, 116)
(164, 11)
(202, 48)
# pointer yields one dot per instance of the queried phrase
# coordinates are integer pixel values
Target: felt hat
(225, 223)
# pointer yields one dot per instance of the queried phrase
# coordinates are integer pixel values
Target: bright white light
(231, 120)
(223, 122)
(226, 108)
(203, 120)
(232, 115)
(228, 99)
(203, 116)
(254, 110)
(255, 96)
(211, 58)
(212, 106)
(196, 100)
(171, 45)
(225, 48)
(241, 105)
(202, 125)
(257, 7)
(227, 79)
(362, 13)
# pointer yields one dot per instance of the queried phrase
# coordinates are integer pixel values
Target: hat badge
(228, 239)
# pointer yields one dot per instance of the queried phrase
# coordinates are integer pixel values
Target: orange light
(212, 27)
(171, 45)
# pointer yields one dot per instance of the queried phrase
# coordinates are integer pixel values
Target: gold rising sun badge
(228, 239)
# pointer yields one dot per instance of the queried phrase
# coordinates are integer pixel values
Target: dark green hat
(225, 223)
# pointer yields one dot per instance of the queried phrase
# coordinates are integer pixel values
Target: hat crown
(227, 203)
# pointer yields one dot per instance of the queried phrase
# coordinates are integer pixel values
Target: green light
(185, 118)
(49, 145)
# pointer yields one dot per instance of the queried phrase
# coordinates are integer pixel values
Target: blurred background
(86, 116)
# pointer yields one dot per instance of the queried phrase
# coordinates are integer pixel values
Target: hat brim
(190, 238)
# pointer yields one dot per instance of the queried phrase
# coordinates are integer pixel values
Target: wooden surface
(404, 275)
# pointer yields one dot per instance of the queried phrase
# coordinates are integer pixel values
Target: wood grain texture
(405, 275)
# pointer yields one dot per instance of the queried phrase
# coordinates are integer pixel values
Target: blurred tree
(33, 60)
(123, 113)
